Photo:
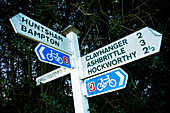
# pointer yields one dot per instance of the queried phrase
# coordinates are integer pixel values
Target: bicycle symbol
(52, 55)
(102, 84)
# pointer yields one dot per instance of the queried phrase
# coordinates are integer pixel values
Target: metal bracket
(79, 63)
(84, 90)
(80, 67)
(73, 63)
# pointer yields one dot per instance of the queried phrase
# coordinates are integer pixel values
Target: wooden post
(80, 101)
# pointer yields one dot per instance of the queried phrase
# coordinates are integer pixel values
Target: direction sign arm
(27, 27)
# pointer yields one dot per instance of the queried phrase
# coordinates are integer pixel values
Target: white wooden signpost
(33, 30)
(135, 46)
(130, 48)
(57, 73)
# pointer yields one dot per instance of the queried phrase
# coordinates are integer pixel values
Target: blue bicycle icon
(51, 56)
(105, 82)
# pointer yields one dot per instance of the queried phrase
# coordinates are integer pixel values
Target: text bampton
(30, 28)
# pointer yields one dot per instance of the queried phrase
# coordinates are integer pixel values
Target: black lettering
(60, 38)
(94, 55)
(93, 70)
(129, 56)
(37, 26)
(51, 34)
(58, 72)
(102, 51)
(124, 41)
(139, 35)
(90, 71)
(115, 45)
(88, 58)
(30, 23)
(142, 42)
(23, 28)
(46, 31)
(110, 48)
(123, 50)
(114, 62)
(54, 73)
(96, 61)
(30, 31)
(118, 52)
(88, 65)
(109, 55)
(98, 68)
(24, 20)
(50, 76)
(55, 36)
(47, 38)
(35, 34)
(134, 54)
(146, 50)
(104, 57)
(119, 60)
(42, 36)
(52, 41)
(97, 53)
(93, 63)
(57, 43)
(100, 59)
(103, 67)
(120, 44)
(42, 29)
(106, 50)
(114, 53)
(109, 64)
(124, 58)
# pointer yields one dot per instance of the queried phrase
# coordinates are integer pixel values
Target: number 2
(139, 35)
(145, 49)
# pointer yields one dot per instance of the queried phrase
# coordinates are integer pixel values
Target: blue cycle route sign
(49, 55)
(110, 81)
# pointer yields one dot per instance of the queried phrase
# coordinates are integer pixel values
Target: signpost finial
(69, 29)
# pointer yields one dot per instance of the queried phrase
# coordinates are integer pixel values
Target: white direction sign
(60, 72)
(33, 30)
(130, 48)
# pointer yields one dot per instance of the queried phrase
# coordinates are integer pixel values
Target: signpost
(49, 55)
(60, 72)
(33, 30)
(106, 82)
(130, 48)
(80, 101)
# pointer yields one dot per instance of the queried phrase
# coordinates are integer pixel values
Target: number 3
(142, 42)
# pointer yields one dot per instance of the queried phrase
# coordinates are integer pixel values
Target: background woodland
(101, 22)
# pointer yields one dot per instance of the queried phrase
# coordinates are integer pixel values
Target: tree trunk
(41, 68)
(29, 76)
(13, 75)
